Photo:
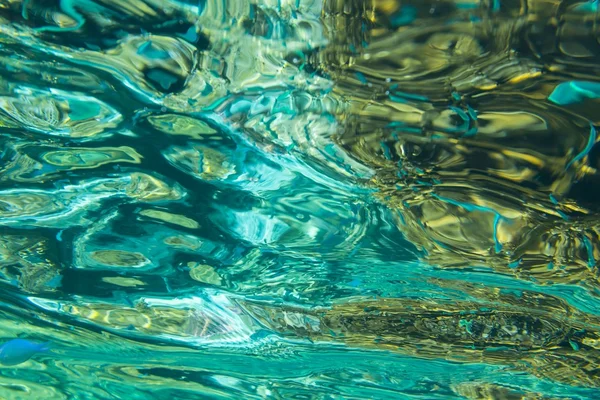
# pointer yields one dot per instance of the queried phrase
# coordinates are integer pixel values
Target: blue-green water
(299, 199)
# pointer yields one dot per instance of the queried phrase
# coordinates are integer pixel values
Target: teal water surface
(299, 199)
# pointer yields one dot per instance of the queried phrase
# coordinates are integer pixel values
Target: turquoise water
(299, 199)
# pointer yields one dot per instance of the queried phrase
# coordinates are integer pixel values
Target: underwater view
(299, 199)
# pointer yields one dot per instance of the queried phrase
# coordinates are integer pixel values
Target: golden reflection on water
(480, 168)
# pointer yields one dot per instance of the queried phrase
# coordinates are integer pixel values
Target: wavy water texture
(282, 199)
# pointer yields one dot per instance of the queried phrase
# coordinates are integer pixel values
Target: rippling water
(299, 199)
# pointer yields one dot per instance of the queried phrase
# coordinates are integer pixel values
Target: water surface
(300, 199)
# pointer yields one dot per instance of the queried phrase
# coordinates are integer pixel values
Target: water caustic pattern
(299, 199)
